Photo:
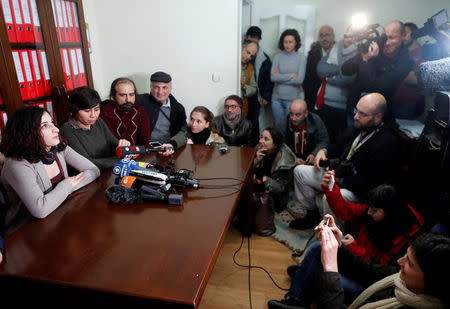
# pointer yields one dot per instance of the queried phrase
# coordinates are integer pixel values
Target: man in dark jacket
(371, 157)
(262, 65)
(235, 129)
(306, 133)
(382, 69)
(167, 115)
(312, 81)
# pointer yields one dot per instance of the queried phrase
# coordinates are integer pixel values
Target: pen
(328, 221)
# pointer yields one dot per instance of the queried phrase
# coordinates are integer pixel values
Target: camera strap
(358, 143)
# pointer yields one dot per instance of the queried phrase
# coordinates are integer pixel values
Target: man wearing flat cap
(167, 115)
(232, 126)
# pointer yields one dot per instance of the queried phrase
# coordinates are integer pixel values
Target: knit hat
(160, 77)
(235, 98)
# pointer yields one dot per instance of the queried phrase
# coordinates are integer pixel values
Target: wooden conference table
(89, 252)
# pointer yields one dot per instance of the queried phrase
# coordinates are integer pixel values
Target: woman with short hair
(87, 133)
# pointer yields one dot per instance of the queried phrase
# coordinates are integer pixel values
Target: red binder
(27, 24)
(82, 73)
(18, 20)
(66, 67)
(74, 65)
(26, 91)
(37, 31)
(65, 21)
(28, 75)
(45, 73)
(58, 20)
(1, 99)
(48, 105)
(9, 22)
(35, 70)
(76, 25)
(68, 6)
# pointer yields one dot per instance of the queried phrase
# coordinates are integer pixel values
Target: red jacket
(133, 126)
(363, 246)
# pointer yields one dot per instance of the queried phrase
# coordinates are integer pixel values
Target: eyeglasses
(361, 114)
(232, 107)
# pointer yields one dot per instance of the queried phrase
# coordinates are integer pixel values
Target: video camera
(370, 33)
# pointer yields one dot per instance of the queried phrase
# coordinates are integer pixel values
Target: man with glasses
(371, 156)
(167, 115)
(232, 126)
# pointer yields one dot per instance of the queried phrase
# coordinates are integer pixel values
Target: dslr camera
(369, 34)
(341, 168)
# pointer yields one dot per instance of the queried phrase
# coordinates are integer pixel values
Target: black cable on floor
(250, 266)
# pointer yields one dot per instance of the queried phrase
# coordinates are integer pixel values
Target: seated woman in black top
(201, 128)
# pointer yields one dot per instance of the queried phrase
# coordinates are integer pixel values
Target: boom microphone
(434, 75)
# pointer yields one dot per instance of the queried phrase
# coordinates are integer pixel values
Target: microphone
(132, 151)
(435, 74)
(125, 166)
(126, 195)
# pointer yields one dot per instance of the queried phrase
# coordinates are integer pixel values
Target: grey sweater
(97, 144)
(287, 88)
(28, 187)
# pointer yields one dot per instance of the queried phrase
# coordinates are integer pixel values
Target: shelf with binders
(65, 14)
(32, 73)
(73, 67)
(22, 21)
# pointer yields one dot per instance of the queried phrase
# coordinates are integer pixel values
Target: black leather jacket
(242, 135)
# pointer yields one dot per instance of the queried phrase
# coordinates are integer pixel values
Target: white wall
(190, 40)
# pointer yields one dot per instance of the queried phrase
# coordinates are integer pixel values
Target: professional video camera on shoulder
(368, 34)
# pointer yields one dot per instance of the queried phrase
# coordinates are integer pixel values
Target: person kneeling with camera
(371, 157)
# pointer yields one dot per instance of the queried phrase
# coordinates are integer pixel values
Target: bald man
(382, 69)
(318, 49)
(371, 156)
(305, 134)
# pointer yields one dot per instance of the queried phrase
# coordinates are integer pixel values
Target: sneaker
(287, 303)
(291, 270)
(311, 220)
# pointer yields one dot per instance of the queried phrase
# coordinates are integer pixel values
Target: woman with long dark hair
(35, 174)
(273, 166)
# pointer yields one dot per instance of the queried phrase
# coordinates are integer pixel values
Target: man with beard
(305, 134)
(235, 129)
(124, 119)
(371, 157)
(387, 224)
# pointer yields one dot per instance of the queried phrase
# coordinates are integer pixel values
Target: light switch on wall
(216, 77)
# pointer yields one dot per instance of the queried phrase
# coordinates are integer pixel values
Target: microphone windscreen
(122, 195)
(434, 74)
